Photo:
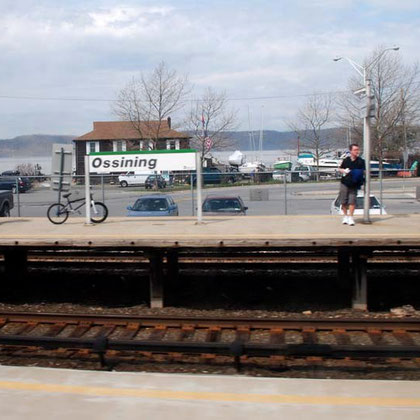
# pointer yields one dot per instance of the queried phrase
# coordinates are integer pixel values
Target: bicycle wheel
(57, 213)
(98, 212)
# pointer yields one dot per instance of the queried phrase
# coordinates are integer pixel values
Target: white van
(131, 178)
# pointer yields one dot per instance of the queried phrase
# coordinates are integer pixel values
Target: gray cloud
(90, 49)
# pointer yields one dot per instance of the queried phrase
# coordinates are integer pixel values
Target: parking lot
(399, 197)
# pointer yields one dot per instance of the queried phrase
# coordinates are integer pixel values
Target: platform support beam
(156, 277)
(359, 278)
(15, 263)
(173, 266)
(343, 267)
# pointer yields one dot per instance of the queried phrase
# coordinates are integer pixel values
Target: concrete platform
(252, 231)
(37, 393)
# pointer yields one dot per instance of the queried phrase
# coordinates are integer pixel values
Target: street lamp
(367, 91)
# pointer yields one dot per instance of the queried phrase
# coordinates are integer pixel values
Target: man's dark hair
(353, 145)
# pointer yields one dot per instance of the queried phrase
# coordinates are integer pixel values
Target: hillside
(31, 145)
(40, 144)
(272, 140)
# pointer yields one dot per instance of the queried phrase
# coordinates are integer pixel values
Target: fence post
(87, 190)
(199, 187)
(18, 196)
(380, 191)
(103, 188)
(285, 192)
(192, 193)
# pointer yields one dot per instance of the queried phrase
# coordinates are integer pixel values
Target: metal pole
(60, 179)
(192, 193)
(87, 190)
(366, 151)
(199, 187)
(18, 196)
(103, 188)
(380, 190)
(285, 192)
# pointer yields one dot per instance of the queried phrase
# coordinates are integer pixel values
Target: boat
(236, 158)
(251, 167)
(283, 165)
(324, 165)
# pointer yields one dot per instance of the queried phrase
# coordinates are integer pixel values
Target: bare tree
(396, 99)
(148, 101)
(311, 121)
(209, 121)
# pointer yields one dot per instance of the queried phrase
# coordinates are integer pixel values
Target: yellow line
(210, 396)
(244, 236)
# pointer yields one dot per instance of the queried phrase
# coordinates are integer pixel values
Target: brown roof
(125, 130)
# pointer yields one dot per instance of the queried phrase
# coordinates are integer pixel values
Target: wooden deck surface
(248, 231)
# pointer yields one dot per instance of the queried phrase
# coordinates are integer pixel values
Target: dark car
(12, 183)
(155, 180)
(154, 205)
(10, 173)
(231, 205)
(213, 175)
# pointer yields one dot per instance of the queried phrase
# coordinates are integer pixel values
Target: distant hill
(272, 140)
(40, 144)
(32, 145)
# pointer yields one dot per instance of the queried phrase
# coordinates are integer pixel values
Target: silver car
(375, 205)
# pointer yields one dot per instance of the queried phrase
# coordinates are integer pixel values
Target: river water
(268, 157)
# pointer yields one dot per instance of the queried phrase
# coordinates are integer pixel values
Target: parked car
(130, 178)
(6, 203)
(278, 175)
(375, 205)
(153, 205)
(228, 205)
(153, 180)
(213, 175)
(10, 173)
(12, 183)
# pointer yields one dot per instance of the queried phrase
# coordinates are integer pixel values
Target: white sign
(158, 160)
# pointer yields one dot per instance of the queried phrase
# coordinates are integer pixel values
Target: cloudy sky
(88, 49)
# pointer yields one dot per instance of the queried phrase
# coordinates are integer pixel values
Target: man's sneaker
(345, 220)
(350, 221)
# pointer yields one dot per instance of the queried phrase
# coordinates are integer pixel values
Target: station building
(121, 136)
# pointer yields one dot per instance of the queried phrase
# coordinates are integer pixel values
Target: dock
(162, 240)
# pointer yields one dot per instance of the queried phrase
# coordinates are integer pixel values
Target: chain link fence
(263, 193)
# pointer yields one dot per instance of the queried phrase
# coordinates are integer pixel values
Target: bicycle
(58, 213)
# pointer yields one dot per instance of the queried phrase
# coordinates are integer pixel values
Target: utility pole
(366, 149)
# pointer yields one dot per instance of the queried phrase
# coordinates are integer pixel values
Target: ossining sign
(134, 161)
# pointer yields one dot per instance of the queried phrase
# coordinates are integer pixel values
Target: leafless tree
(311, 122)
(149, 100)
(209, 121)
(396, 99)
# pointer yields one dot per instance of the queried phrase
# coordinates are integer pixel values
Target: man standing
(352, 168)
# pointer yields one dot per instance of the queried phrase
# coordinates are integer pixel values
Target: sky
(62, 63)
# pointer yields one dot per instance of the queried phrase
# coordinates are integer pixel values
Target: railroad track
(240, 339)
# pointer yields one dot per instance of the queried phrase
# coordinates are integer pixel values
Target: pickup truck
(6, 203)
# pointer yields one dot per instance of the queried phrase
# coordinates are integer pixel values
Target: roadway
(302, 198)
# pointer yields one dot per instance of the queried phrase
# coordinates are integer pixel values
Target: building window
(92, 147)
(119, 146)
(144, 143)
(172, 144)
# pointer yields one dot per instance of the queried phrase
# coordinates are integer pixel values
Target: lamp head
(337, 58)
(396, 48)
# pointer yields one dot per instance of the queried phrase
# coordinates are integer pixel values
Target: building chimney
(169, 122)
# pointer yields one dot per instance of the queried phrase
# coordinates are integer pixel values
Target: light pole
(367, 91)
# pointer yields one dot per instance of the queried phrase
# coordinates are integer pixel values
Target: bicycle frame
(68, 207)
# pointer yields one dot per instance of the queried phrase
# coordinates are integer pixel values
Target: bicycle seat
(66, 195)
